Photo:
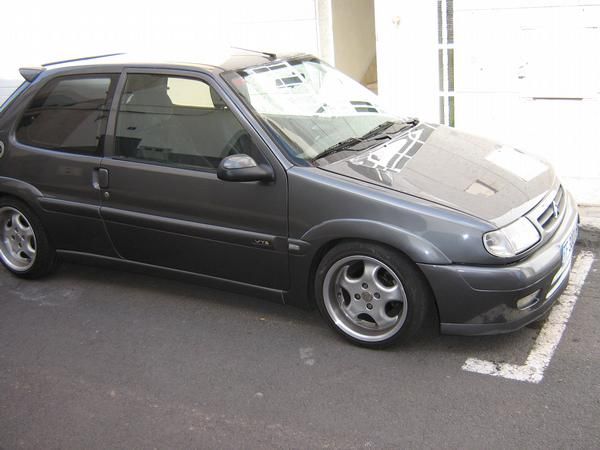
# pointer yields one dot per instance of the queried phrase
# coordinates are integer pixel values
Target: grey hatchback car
(281, 177)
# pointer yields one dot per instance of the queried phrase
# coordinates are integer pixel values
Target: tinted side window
(69, 114)
(177, 121)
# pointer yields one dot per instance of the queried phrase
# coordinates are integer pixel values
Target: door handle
(100, 178)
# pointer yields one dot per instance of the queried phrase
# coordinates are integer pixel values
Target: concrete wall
(6, 88)
(62, 29)
(274, 25)
(353, 25)
(407, 56)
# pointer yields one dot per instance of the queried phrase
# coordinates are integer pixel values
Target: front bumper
(477, 300)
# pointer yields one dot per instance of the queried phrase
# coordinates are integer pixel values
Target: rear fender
(21, 190)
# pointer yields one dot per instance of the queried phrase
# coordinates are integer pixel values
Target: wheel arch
(324, 237)
(22, 191)
(416, 248)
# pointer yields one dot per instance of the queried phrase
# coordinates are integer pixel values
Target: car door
(162, 202)
(58, 143)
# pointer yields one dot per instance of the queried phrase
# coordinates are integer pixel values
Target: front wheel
(370, 294)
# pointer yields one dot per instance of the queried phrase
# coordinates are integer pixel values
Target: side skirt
(273, 295)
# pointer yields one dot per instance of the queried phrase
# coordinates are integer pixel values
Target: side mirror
(243, 168)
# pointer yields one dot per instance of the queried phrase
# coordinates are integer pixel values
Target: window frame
(197, 75)
(112, 75)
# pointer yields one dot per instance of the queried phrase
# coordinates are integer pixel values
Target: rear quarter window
(69, 114)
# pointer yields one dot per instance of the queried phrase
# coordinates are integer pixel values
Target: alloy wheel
(365, 298)
(18, 246)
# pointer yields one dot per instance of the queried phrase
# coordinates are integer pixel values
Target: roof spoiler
(31, 73)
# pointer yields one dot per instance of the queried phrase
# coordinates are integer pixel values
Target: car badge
(555, 209)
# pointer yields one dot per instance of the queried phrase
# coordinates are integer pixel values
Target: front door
(162, 201)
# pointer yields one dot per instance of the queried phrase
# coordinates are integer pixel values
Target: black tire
(396, 320)
(43, 261)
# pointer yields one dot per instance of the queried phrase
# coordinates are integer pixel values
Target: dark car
(279, 176)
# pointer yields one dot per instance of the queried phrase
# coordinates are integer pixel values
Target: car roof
(217, 61)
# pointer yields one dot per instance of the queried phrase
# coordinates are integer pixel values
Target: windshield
(311, 105)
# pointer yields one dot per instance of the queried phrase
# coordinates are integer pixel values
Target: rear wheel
(370, 294)
(24, 247)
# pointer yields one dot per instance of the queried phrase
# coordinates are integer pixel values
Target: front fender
(415, 247)
(304, 252)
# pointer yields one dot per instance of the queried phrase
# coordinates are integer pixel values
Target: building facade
(523, 72)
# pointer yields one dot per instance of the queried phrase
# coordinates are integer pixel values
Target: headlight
(512, 239)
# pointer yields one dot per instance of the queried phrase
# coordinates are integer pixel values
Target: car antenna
(80, 59)
(267, 54)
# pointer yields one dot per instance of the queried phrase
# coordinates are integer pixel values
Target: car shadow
(512, 347)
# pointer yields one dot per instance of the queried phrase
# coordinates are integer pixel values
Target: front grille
(554, 211)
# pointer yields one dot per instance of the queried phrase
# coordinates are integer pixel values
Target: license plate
(568, 246)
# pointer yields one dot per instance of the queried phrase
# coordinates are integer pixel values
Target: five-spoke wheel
(24, 248)
(365, 297)
(17, 240)
(370, 294)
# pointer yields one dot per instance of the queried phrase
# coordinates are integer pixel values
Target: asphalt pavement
(94, 358)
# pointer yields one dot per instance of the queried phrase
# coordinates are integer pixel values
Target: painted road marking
(551, 333)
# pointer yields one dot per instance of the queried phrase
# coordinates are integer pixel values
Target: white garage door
(528, 74)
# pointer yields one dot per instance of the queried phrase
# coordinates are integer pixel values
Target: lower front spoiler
(481, 329)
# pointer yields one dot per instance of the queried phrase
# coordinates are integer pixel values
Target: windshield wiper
(378, 129)
(340, 146)
(347, 144)
(391, 127)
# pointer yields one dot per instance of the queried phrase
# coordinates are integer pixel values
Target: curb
(589, 235)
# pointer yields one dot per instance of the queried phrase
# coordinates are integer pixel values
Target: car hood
(461, 171)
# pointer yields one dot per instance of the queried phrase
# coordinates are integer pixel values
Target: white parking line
(547, 341)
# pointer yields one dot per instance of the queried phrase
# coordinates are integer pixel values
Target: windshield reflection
(310, 104)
